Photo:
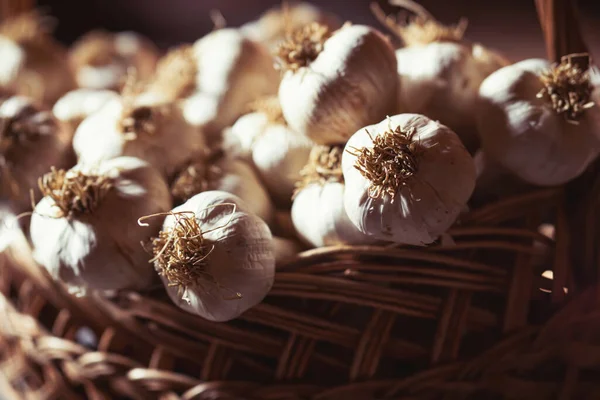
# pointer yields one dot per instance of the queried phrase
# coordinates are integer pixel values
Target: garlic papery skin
(540, 142)
(407, 179)
(271, 28)
(155, 132)
(335, 84)
(318, 212)
(227, 175)
(31, 141)
(101, 59)
(84, 230)
(33, 63)
(79, 104)
(222, 261)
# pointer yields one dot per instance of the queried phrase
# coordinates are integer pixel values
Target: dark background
(507, 25)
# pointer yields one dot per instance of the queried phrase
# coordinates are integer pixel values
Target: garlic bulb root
(324, 165)
(303, 46)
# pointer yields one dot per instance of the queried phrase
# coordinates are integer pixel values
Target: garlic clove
(407, 179)
(234, 275)
(521, 130)
(344, 82)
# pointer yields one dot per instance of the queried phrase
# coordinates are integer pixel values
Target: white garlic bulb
(318, 210)
(239, 138)
(539, 121)
(128, 126)
(224, 70)
(227, 175)
(407, 179)
(101, 59)
(221, 263)
(270, 29)
(76, 105)
(85, 232)
(33, 63)
(31, 141)
(336, 83)
(439, 72)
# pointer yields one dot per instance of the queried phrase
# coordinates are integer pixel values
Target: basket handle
(559, 20)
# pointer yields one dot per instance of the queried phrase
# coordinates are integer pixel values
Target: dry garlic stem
(318, 212)
(176, 72)
(568, 89)
(439, 72)
(407, 179)
(31, 141)
(390, 163)
(540, 121)
(84, 230)
(336, 83)
(33, 64)
(271, 28)
(303, 46)
(215, 258)
(74, 192)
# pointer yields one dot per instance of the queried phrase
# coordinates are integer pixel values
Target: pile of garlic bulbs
(203, 168)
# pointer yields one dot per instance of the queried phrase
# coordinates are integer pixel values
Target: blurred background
(508, 25)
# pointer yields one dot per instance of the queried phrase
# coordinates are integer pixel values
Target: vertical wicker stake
(577, 219)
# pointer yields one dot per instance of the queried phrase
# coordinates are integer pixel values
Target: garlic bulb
(31, 141)
(336, 83)
(270, 29)
(33, 64)
(227, 175)
(101, 59)
(78, 104)
(439, 72)
(318, 210)
(225, 69)
(128, 126)
(215, 259)
(239, 138)
(84, 231)
(540, 121)
(407, 179)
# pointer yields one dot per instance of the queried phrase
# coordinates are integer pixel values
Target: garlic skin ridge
(242, 260)
(352, 83)
(101, 250)
(524, 134)
(429, 202)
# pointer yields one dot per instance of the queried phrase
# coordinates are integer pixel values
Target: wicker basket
(479, 317)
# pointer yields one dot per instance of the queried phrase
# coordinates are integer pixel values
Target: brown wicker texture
(474, 317)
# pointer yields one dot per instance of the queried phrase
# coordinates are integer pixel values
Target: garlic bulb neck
(26, 27)
(567, 89)
(270, 107)
(324, 165)
(303, 46)
(74, 192)
(180, 253)
(193, 180)
(423, 28)
(176, 73)
(390, 163)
